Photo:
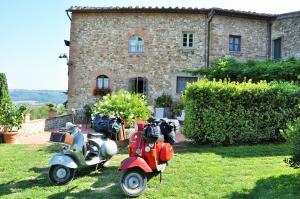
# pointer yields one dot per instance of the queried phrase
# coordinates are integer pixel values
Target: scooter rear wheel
(59, 174)
(133, 182)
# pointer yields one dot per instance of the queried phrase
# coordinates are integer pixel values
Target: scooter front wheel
(59, 174)
(133, 182)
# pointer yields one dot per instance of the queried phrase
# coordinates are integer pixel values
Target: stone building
(146, 50)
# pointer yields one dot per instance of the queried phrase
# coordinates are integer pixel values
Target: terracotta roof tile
(191, 10)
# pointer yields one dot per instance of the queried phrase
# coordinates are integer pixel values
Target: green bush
(292, 135)
(128, 106)
(164, 101)
(10, 115)
(286, 70)
(223, 112)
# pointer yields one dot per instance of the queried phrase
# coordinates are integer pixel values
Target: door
(277, 49)
(138, 85)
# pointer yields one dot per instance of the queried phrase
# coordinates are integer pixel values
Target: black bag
(109, 127)
(151, 133)
(168, 130)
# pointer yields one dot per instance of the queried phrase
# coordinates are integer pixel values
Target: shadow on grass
(284, 186)
(106, 186)
(36, 181)
(242, 151)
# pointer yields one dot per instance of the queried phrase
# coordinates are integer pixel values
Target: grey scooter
(97, 152)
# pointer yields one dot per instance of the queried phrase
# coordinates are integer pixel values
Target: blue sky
(32, 34)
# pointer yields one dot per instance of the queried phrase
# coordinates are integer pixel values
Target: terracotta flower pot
(10, 137)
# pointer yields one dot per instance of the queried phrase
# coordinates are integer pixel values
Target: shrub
(10, 115)
(164, 101)
(292, 135)
(286, 70)
(128, 106)
(223, 112)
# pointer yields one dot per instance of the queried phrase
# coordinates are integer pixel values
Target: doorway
(138, 85)
(277, 49)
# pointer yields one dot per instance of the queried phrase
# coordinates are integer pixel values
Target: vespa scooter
(150, 149)
(76, 154)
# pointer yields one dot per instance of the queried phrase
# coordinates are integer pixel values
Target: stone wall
(254, 38)
(99, 45)
(41, 125)
(287, 27)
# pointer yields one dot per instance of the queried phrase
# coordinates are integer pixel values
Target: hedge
(223, 112)
(292, 135)
(286, 70)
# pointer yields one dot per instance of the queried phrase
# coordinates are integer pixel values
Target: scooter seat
(95, 135)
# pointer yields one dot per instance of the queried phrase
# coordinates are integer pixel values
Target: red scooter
(150, 149)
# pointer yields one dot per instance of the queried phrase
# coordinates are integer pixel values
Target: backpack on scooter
(168, 130)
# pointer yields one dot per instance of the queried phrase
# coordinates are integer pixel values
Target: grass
(196, 172)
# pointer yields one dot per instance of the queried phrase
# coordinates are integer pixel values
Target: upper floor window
(182, 81)
(234, 43)
(102, 82)
(136, 45)
(188, 40)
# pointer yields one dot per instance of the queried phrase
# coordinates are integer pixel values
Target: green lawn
(196, 172)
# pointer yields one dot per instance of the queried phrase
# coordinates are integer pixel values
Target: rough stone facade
(254, 37)
(287, 27)
(99, 46)
(100, 37)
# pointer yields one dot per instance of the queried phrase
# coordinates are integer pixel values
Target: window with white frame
(102, 82)
(136, 45)
(187, 40)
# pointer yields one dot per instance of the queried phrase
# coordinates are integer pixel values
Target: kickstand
(160, 177)
(97, 167)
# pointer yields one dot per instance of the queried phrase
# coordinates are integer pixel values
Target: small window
(234, 43)
(102, 82)
(182, 81)
(188, 40)
(136, 45)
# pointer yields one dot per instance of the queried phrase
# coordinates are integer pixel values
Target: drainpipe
(209, 19)
(269, 37)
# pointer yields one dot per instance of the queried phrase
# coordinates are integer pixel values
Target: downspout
(210, 17)
(269, 35)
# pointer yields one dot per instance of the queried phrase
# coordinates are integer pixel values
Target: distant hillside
(36, 97)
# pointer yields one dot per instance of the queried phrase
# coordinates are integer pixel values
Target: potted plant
(164, 101)
(129, 107)
(11, 120)
(11, 117)
(52, 112)
(101, 91)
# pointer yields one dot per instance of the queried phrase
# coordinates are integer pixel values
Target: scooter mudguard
(61, 159)
(135, 161)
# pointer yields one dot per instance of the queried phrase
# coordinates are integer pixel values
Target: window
(102, 82)
(136, 45)
(138, 85)
(188, 40)
(182, 81)
(234, 43)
